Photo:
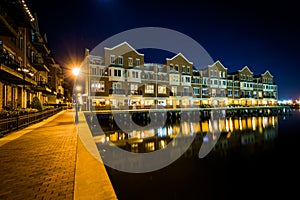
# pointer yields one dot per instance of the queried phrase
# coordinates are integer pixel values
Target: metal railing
(18, 122)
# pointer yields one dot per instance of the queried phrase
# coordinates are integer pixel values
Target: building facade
(121, 79)
(26, 64)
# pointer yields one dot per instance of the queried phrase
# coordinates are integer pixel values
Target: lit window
(138, 62)
(130, 62)
(162, 89)
(149, 89)
(97, 86)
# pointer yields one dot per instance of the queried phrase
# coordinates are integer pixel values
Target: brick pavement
(41, 163)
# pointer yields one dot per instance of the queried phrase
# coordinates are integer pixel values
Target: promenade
(48, 160)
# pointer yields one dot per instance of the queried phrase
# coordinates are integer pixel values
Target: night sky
(261, 36)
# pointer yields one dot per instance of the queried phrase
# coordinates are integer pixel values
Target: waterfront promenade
(48, 160)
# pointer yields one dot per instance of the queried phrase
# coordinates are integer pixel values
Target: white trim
(246, 68)
(180, 54)
(124, 43)
(267, 71)
(218, 62)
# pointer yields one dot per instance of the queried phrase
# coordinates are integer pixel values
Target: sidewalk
(48, 161)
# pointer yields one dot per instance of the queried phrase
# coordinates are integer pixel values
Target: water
(255, 157)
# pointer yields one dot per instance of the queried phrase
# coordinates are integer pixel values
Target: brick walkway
(41, 163)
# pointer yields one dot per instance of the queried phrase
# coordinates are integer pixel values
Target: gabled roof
(218, 63)
(122, 44)
(180, 54)
(267, 72)
(244, 69)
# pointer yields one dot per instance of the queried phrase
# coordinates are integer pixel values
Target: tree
(36, 103)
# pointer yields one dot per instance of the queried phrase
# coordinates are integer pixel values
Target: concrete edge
(91, 178)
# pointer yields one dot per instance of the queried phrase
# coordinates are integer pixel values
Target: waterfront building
(25, 60)
(180, 80)
(241, 85)
(251, 90)
(121, 79)
(214, 82)
(265, 89)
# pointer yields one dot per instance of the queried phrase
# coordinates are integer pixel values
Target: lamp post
(76, 72)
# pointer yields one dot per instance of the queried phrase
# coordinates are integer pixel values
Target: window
(130, 62)
(188, 69)
(171, 66)
(162, 89)
(213, 92)
(20, 42)
(117, 72)
(196, 90)
(135, 74)
(151, 76)
(187, 79)
(175, 78)
(101, 71)
(215, 82)
(176, 67)
(112, 59)
(220, 74)
(224, 83)
(97, 86)
(223, 74)
(236, 93)
(120, 60)
(185, 91)
(229, 93)
(137, 62)
(174, 90)
(149, 89)
(133, 89)
(204, 91)
(183, 69)
(116, 86)
(94, 71)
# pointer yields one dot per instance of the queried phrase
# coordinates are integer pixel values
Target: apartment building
(25, 60)
(214, 90)
(121, 79)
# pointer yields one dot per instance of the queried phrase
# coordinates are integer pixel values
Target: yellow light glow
(76, 71)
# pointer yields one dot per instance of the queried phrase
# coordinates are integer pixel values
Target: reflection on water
(234, 132)
(255, 157)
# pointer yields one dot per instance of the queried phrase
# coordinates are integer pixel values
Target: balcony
(39, 64)
(39, 44)
(43, 87)
(11, 71)
(135, 92)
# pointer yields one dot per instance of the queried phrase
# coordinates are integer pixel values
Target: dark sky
(238, 33)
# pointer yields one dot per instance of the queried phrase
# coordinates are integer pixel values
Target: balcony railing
(17, 122)
(135, 92)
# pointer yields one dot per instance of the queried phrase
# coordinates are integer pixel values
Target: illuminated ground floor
(138, 101)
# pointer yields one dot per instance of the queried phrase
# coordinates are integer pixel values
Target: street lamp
(76, 72)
